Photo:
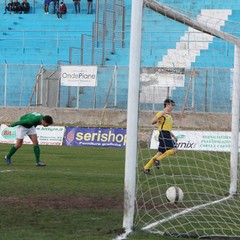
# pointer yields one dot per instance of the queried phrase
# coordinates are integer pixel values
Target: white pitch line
(186, 211)
(5, 171)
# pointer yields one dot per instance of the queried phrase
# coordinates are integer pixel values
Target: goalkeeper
(27, 126)
(167, 140)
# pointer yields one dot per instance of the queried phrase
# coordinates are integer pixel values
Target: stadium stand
(37, 38)
(41, 38)
(50, 38)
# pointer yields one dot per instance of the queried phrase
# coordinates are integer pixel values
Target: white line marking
(186, 211)
(4, 171)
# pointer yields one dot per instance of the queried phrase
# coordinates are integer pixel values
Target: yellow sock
(150, 162)
(166, 154)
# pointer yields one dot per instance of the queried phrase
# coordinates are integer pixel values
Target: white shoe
(41, 164)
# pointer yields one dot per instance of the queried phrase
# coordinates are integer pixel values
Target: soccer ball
(174, 194)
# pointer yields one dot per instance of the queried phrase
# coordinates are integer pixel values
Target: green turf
(79, 195)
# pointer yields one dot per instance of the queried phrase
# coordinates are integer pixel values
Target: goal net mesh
(195, 69)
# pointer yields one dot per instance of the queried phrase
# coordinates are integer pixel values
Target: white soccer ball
(174, 194)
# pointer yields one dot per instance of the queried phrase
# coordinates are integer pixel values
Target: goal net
(197, 67)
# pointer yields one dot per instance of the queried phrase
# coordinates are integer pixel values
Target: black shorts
(166, 141)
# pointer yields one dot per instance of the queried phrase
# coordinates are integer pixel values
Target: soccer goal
(200, 60)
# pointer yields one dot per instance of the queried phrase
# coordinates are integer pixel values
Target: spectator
(77, 5)
(62, 10)
(55, 6)
(16, 7)
(9, 7)
(89, 7)
(25, 7)
(46, 6)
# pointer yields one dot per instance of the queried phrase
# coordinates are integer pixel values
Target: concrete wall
(118, 118)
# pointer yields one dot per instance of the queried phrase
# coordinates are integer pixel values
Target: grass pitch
(79, 195)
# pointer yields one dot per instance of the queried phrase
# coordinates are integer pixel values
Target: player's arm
(173, 136)
(21, 122)
(158, 115)
(155, 119)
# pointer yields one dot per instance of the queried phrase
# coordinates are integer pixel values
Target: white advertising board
(52, 135)
(198, 140)
(79, 76)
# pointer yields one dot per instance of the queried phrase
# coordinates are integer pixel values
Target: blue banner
(99, 137)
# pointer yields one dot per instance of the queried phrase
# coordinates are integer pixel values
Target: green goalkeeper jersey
(29, 120)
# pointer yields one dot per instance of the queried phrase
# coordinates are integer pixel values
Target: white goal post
(131, 156)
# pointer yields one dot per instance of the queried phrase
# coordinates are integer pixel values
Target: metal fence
(107, 32)
(40, 85)
(202, 90)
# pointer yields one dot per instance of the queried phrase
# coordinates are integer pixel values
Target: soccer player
(167, 140)
(27, 126)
